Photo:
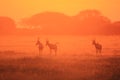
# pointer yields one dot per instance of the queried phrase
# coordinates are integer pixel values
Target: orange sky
(18, 9)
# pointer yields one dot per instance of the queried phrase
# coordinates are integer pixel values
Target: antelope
(52, 47)
(40, 46)
(97, 46)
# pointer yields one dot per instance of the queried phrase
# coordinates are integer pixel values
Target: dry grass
(61, 68)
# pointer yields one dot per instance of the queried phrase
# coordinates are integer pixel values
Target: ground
(61, 68)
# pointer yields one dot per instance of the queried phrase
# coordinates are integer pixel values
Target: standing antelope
(97, 46)
(52, 47)
(40, 46)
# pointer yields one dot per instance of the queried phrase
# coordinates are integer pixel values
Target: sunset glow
(59, 39)
(18, 9)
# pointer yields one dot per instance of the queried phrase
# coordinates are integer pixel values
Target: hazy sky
(18, 9)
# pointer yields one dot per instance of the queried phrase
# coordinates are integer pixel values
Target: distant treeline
(87, 22)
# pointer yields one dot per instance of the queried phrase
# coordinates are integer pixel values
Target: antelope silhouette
(40, 46)
(98, 46)
(52, 47)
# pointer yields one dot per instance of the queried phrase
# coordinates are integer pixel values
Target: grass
(61, 68)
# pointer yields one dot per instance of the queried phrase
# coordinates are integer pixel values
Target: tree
(7, 25)
(86, 22)
(48, 22)
(113, 28)
(91, 22)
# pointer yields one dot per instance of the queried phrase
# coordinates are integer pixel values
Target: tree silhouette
(50, 22)
(86, 22)
(7, 25)
(91, 21)
(113, 28)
